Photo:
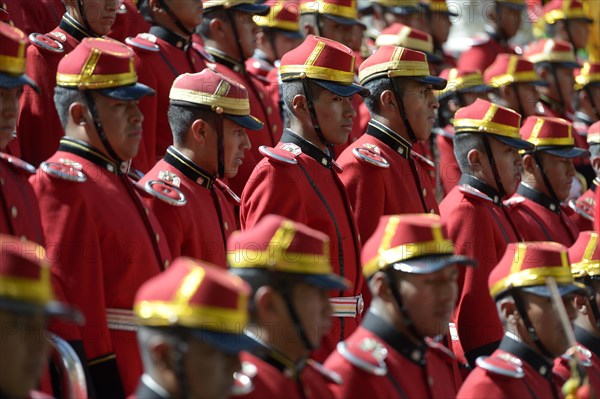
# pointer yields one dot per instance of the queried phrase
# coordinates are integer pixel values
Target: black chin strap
(174, 18)
(313, 115)
(490, 155)
(519, 102)
(286, 294)
(179, 351)
(236, 36)
(520, 304)
(406, 319)
(561, 98)
(538, 160)
(84, 19)
(595, 107)
(409, 129)
(318, 24)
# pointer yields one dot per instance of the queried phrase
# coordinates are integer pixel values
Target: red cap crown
(485, 117)
(528, 264)
(588, 74)
(585, 255)
(339, 8)
(508, 69)
(398, 34)
(593, 134)
(544, 131)
(12, 50)
(556, 10)
(282, 15)
(196, 295)
(550, 50)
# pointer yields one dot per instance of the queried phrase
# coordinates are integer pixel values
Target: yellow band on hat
(533, 277)
(438, 6)
(88, 80)
(554, 56)
(233, 106)
(38, 292)
(556, 15)
(322, 7)
(403, 40)
(515, 77)
(559, 141)
(12, 65)
(398, 3)
(316, 72)
(394, 69)
(586, 268)
(583, 80)
(486, 127)
(269, 22)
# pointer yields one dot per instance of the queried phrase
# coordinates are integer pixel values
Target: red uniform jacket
(512, 371)
(583, 208)
(480, 228)
(589, 349)
(198, 224)
(378, 362)
(539, 218)
(161, 56)
(376, 189)
(35, 16)
(104, 244)
(19, 210)
(258, 65)
(448, 166)
(597, 212)
(274, 376)
(39, 129)
(300, 182)
(482, 54)
(261, 107)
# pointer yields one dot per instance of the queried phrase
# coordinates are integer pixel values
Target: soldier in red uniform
(587, 100)
(161, 55)
(439, 22)
(486, 144)
(85, 196)
(289, 268)
(522, 366)
(503, 22)
(209, 115)
(548, 173)
(584, 207)
(299, 179)
(381, 174)
(191, 331)
(27, 304)
(567, 20)
(386, 12)
(393, 353)
(39, 128)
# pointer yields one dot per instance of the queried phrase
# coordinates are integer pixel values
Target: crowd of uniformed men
(221, 198)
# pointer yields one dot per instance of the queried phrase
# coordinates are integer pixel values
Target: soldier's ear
(388, 100)
(300, 107)
(199, 130)
(215, 27)
(78, 112)
(529, 163)
(581, 304)
(380, 286)
(308, 29)
(266, 302)
(474, 158)
(596, 164)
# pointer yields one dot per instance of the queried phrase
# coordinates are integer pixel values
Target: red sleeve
(477, 57)
(169, 218)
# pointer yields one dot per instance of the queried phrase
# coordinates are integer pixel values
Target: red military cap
(247, 6)
(12, 58)
(25, 285)
(438, 6)
(209, 301)
(410, 243)
(344, 12)
(556, 10)
(212, 90)
(484, 117)
(393, 61)
(588, 75)
(526, 265)
(585, 256)
(462, 81)
(401, 35)
(283, 16)
(326, 62)
(551, 135)
(401, 7)
(553, 51)
(277, 244)
(510, 68)
(593, 134)
(105, 65)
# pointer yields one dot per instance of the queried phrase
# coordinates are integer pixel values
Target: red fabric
(448, 166)
(102, 252)
(482, 55)
(194, 229)
(37, 110)
(269, 382)
(258, 67)
(597, 212)
(269, 135)
(562, 372)
(129, 23)
(534, 220)
(283, 189)
(484, 384)
(477, 227)
(154, 71)
(35, 16)
(434, 380)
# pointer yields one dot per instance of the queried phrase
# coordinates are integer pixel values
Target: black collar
(486, 189)
(394, 338)
(169, 36)
(588, 340)
(74, 28)
(183, 164)
(309, 149)
(224, 59)
(554, 105)
(282, 363)
(86, 151)
(539, 363)
(539, 198)
(390, 138)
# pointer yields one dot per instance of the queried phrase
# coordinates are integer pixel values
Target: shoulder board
(330, 375)
(166, 192)
(584, 207)
(502, 364)
(261, 65)
(47, 43)
(242, 384)
(203, 53)
(231, 196)
(370, 154)
(65, 169)
(513, 201)
(17, 163)
(144, 42)
(471, 192)
(368, 354)
(582, 354)
(439, 348)
(285, 153)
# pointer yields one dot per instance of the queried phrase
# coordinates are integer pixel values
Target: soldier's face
(559, 171)
(235, 144)
(122, 124)
(510, 20)
(314, 311)
(338, 32)
(335, 114)
(440, 27)
(100, 14)
(23, 352)
(420, 104)
(508, 164)
(579, 30)
(189, 12)
(528, 97)
(247, 30)
(563, 83)
(9, 109)
(430, 299)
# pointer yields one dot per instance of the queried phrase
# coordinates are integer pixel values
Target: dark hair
(63, 98)
(213, 13)
(463, 143)
(181, 118)
(291, 89)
